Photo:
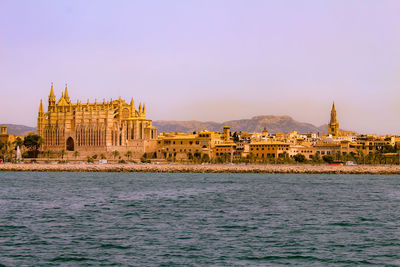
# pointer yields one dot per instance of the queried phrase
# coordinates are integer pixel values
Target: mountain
(273, 124)
(20, 130)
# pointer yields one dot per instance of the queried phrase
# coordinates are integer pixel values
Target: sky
(209, 60)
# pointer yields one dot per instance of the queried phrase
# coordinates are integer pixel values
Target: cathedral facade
(99, 127)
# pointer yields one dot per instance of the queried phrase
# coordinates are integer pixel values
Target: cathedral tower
(333, 124)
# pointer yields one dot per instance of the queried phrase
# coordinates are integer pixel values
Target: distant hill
(20, 130)
(273, 124)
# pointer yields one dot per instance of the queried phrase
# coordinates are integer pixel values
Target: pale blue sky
(207, 60)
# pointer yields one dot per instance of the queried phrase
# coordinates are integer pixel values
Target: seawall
(207, 168)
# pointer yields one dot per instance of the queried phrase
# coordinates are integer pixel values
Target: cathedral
(99, 127)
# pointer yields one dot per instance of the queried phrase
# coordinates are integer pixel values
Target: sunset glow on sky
(207, 60)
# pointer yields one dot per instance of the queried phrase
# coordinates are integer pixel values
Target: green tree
(48, 153)
(300, 158)
(128, 154)
(316, 158)
(18, 142)
(205, 158)
(328, 158)
(33, 142)
(76, 154)
(115, 153)
(102, 156)
(62, 153)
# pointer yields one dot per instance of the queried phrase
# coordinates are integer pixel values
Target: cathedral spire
(132, 104)
(144, 109)
(41, 111)
(52, 91)
(66, 96)
(52, 97)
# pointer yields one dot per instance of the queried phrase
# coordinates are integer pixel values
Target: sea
(189, 219)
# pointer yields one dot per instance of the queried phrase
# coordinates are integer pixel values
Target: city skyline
(207, 61)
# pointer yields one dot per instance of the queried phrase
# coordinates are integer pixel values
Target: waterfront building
(182, 146)
(264, 149)
(95, 127)
(307, 151)
(327, 148)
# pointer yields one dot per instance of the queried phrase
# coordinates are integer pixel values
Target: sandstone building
(99, 127)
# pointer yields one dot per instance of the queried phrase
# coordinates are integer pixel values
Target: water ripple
(155, 219)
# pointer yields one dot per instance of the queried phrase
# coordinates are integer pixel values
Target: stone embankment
(206, 168)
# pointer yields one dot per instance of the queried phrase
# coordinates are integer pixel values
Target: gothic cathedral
(95, 127)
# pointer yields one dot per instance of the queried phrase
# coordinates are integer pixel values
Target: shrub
(328, 158)
(299, 158)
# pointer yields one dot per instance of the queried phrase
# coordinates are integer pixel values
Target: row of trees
(386, 156)
(31, 143)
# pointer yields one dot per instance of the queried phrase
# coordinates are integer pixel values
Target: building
(307, 151)
(95, 127)
(265, 149)
(327, 148)
(5, 137)
(182, 146)
(333, 127)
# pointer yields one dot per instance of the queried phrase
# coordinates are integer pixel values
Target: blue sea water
(160, 219)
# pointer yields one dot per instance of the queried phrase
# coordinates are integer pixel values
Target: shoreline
(206, 168)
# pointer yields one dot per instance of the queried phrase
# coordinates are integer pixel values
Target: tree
(76, 154)
(115, 153)
(205, 158)
(48, 153)
(235, 137)
(128, 154)
(62, 153)
(328, 158)
(102, 156)
(300, 158)
(33, 142)
(18, 142)
(316, 158)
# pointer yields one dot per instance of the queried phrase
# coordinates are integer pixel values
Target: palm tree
(128, 154)
(115, 153)
(18, 142)
(76, 154)
(62, 153)
(48, 153)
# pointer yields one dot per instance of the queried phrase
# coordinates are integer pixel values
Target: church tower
(41, 118)
(52, 99)
(333, 124)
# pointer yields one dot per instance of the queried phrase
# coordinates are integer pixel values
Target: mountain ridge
(272, 123)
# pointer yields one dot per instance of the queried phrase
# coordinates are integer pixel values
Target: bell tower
(333, 124)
